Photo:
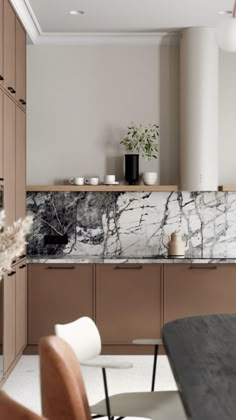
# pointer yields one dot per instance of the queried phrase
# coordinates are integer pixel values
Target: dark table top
(202, 353)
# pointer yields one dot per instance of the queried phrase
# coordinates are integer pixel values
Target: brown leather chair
(62, 388)
(12, 410)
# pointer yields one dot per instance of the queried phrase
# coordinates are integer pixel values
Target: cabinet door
(1, 41)
(21, 307)
(20, 163)
(9, 159)
(57, 294)
(20, 63)
(128, 302)
(9, 50)
(1, 135)
(9, 337)
(198, 290)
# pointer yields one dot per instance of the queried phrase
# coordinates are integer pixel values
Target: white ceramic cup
(109, 179)
(150, 178)
(93, 180)
(77, 180)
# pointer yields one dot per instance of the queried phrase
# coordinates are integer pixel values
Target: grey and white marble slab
(116, 224)
(98, 260)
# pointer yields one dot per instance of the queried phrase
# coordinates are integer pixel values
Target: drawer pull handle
(22, 266)
(60, 268)
(22, 101)
(1, 179)
(22, 256)
(120, 267)
(1, 77)
(11, 273)
(210, 267)
(11, 89)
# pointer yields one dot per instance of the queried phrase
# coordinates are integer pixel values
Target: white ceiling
(125, 15)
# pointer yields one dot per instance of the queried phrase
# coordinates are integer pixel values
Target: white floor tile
(24, 383)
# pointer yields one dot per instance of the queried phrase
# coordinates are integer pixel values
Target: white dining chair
(84, 338)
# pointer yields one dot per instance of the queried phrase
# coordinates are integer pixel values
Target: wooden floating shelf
(105, 188)
(229, 188)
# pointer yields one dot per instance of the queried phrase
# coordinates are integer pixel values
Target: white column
(198, 110)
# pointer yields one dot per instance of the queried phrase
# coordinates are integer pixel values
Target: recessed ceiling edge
(38, 37)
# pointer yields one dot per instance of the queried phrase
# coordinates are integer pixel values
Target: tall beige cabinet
(13, 175)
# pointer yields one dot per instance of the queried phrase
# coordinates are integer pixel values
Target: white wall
(227, 118)
(81, 99)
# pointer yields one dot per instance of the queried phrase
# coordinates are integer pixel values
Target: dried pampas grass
(12, 240)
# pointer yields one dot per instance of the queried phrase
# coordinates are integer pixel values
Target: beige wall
(81, 99)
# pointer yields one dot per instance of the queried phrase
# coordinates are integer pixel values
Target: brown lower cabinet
(14, 314)
(9, 316)
(57, 293)
(21, 307)
(198, 290)
(128, 302)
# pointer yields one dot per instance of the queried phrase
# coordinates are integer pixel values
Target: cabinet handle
(11, 89)
(11, 273)
(22, 256)
(22, 266)
(1, 179)
(14, 261)
(120, 267)
(210, 267)
(1, 77)
(22, 101)
(60, 268)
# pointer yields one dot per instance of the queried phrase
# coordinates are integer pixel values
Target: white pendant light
(226, 32)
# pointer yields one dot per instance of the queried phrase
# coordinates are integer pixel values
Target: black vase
(132, 169)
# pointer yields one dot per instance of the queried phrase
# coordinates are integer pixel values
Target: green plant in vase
(139, 140)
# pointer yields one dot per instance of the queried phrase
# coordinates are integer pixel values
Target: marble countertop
(72, 259)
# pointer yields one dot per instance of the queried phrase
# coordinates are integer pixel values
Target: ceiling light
(226, 32)
(77, 12)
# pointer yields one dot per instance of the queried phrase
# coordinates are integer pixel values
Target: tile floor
(23, 384)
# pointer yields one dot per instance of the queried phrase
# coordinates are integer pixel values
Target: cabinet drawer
(57, 293)
(128, 302)
(198, 290)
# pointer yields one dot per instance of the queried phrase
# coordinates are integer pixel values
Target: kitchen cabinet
(128, 302)
(20, 63)
(58, 293)
(21, 306)
(1, 42)
(1, 135)
(12, 176)
(14, 314)
(20, 163)
(198, 290)
(9, 114)
(9, 47)
(9, 316)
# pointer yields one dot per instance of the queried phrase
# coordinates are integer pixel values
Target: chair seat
(161, 405)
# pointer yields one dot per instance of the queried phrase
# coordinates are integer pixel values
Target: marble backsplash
(132, 224)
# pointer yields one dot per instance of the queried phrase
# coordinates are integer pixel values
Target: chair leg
(106, 394)
(154, 367)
